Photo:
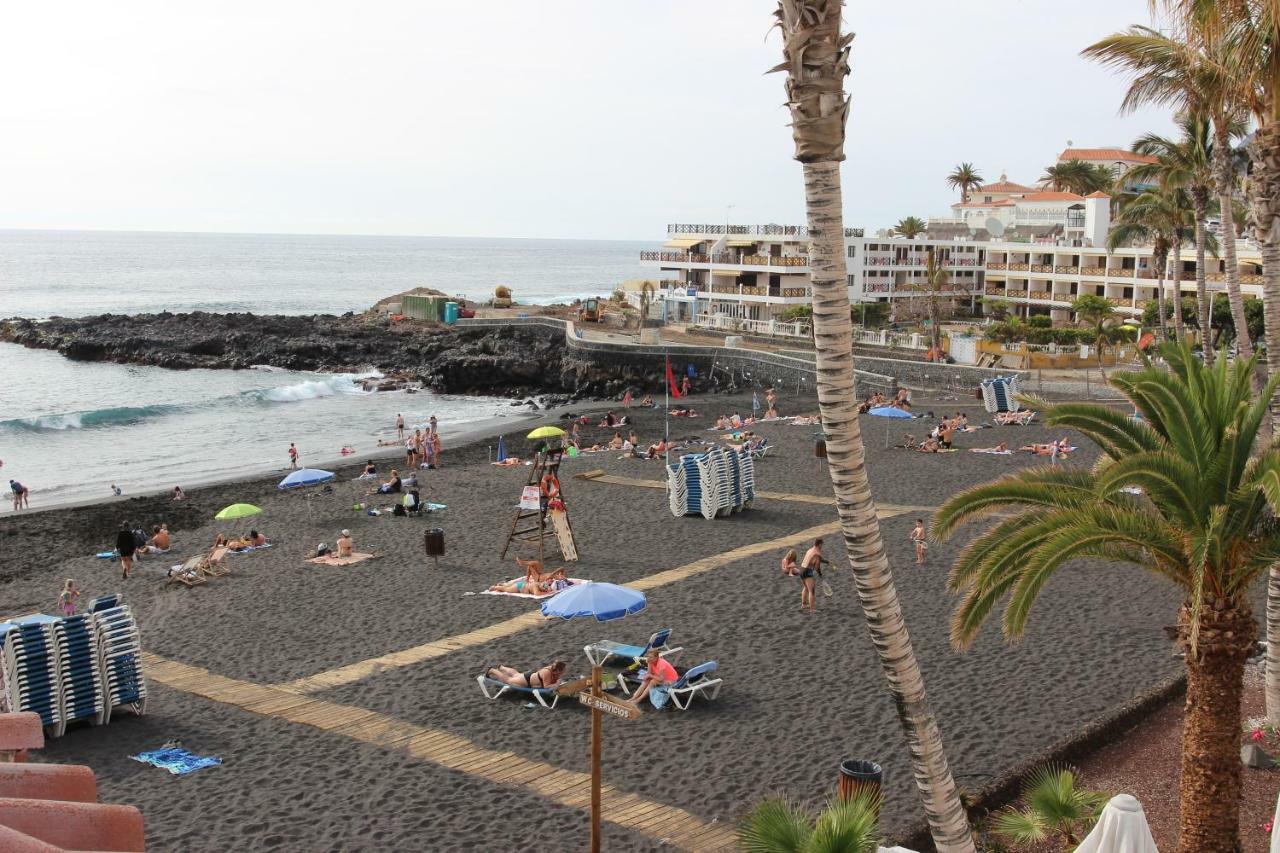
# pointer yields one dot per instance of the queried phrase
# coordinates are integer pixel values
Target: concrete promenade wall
(752, 367)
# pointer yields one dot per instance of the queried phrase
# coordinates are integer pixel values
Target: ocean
(70, 431)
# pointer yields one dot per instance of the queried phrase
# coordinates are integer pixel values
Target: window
(853, 251)
(851, 281)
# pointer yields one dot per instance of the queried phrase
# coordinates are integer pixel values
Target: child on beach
(67, 598)
(918, 537)
(293, 456)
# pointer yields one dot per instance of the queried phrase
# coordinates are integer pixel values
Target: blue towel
(176, 760)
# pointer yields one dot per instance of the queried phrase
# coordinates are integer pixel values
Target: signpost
(607, 706)
(600, 704)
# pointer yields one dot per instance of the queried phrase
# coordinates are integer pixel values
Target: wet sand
(800, 692)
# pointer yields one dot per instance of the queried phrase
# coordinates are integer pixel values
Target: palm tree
(846, 826)
(1065, 177)
(1194, 76)
(1137, 223)
(1095, 311)
(1053, 808)
(909, 227)
(935, 275)
(816, 59)
(1204, 523)
(1167, 213)
(964, 178)
(1185, 164)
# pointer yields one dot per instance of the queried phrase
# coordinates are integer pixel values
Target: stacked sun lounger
(30, 660)
(80, 687)
(119, 655)
(711, 484)
(999, 394)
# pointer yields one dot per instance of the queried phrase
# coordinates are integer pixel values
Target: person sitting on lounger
(547, 676)
(659, 675)
(345, 544)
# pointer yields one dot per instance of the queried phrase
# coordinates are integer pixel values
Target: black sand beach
(800, 692)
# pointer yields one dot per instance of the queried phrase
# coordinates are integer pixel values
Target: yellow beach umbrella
(545, 432)
(227, 513)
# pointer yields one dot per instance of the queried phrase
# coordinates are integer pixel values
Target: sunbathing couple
(1021, 418)
(1053, 449)
(683, 413)
(253, 539)
(735, 422)
(612, 420)
(534, 582)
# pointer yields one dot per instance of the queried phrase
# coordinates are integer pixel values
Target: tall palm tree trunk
(816, 62)
(1225, 185)
(1176, 254)
(1264, 200)
(1200, 198)
(1159, 263)
(1209, 793)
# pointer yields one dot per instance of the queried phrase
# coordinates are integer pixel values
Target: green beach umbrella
(545, 432)
(237, 511)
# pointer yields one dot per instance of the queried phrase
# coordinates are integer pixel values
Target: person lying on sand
(509, 462)
(256, 539)
(1053, 448)
(929, 445)
(345, 544)
(520, 586)
(547, 676)
(806, 420)
(683, 413)
(647, 401)
(1002, 447)
(1021, 418)
(656, 450)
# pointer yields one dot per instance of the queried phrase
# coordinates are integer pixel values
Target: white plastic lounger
(633, 654)
(492, 688)
(689, 685)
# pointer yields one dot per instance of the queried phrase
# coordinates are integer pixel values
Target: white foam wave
(329, 386)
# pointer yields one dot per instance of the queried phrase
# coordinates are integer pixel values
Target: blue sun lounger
(492, 688)
(695, 680)
(633, 654)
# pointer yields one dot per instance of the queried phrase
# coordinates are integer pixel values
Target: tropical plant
(1096, 312)
(1162, 214)
(777, 825)
(935, 276)
(816, 61)
(797, 312)
(1053, 809)
(909, 227)
(995, 307)
(1191, 72)
(1077, 176)
(1223, 324)
(964, 178)
(1204, 522)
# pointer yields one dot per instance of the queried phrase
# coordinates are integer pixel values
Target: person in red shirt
(658, 678)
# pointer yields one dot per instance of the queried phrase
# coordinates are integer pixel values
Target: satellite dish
(994, 226)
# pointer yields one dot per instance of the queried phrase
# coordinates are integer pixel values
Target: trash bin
(433, 541)
(858, 776)
(820, 445)
(451, 312)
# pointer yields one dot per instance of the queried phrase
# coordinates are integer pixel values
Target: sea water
(71, 430)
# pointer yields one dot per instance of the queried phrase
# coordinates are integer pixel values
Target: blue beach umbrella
(601, 601)
(502, 449)
(305, 477)
(889, 412)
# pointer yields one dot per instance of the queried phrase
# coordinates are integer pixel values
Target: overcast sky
(592, 118)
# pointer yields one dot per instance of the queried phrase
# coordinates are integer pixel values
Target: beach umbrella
(546, 432)
(305, 477)
(1121, 828)
(889, 412)
(601, 601)
(229, 513)
(502, 448)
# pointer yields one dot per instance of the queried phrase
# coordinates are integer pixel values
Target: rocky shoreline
(512, 361)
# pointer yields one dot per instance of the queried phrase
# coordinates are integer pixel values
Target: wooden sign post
(600, 704)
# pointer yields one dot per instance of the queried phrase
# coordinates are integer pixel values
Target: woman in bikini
(789, 564)
(547, 676)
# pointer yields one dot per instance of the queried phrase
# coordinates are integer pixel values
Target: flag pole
(666, 420)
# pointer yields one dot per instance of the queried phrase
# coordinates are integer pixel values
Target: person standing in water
(293, 456)
(400, 427)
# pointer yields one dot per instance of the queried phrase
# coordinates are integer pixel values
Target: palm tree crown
(909, 226)
(964, 178)
(1077, 176)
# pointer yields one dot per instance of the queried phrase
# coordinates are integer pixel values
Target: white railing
(885, 338)
(767, 328)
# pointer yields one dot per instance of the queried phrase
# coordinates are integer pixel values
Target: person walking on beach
(434, 438)
(399, 427)
(126, 544)
(67, 598)
(810, 568)
(684, 386)
(20, 495)
(918, 537)
(293, 456)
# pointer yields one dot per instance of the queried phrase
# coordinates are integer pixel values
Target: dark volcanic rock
(515, 360)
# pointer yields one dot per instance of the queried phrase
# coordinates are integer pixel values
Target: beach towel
(991, 452)
(250, 548)
(106, 555)
(572, 581)
(176, 760)
(332, 560)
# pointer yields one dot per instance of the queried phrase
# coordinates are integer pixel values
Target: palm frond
(775, 825)
(847, 826)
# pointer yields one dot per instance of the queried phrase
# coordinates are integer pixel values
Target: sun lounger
(696, 680)
(633, 654)
(187, 574)
(333, 560)
(215, 566)
(492, 688)
(762, 449)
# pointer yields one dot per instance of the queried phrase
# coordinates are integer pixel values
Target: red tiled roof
(1104, 154)
(1004, 187)
(1053, 196)
(1098, 194)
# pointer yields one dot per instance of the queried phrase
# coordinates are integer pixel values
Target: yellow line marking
(566, 787)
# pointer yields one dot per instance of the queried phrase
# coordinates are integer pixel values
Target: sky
(556, 119)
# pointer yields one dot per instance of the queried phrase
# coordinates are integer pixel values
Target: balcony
(1096, 272)
(1041, 268)
(993, 265)
(1146, 273)
(1066, 270)
(1120, 272)
(1042, 295)
(1251, 278)
(794, 292)
(1019, 267)
(1118, 303)
(668, 257)
(724, 288)
(770, 230)
(789, 261)
(1143, 303)
(992, 290)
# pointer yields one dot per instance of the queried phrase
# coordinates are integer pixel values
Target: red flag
(671, 380)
